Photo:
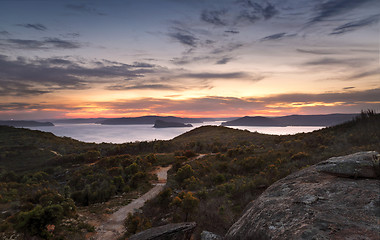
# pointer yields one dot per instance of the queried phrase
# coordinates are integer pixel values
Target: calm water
(130, 133)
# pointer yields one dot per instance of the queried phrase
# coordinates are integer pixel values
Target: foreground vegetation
(44, 178)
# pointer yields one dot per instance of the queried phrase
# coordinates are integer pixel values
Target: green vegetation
(225, 181)
(44, 179)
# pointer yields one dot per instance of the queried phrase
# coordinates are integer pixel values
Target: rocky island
(164, 124)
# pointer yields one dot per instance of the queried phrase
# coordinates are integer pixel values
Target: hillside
(236, 173)
(234, 168)
(292, 120)
(16, 123)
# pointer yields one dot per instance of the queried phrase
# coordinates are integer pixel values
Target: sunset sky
(193, 58)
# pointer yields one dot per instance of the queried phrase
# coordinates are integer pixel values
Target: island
(164, 124)
(21, 123)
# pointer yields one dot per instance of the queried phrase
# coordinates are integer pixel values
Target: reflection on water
(129, 133)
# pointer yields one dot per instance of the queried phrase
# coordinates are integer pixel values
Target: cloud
(224, 60)
(59, 43)
(38, 76)
(348, 88)
(354, 25)
(277, 36)
(83, 8)
(47, 43)
(346, 101)
(4, 33)
(232, 31)
(197, 59)
(370, 95)
(253, 11)
(281, 104)
(144, 87)
(184, 37)
(228, 48)
(189, 59)
(316, 52)
(354, 63)
(70, 35)
(334, 8)
(36, 26)
(205, 75)
(214, 17)
(375, 72)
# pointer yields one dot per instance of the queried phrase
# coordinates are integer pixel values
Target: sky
(198, 58)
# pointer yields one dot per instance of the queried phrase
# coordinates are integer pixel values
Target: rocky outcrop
(174, 231)
(336, 199)
(358, 165)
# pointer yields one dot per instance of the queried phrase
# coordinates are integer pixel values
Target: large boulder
(174, 231)
(358, 165)
(317, 203)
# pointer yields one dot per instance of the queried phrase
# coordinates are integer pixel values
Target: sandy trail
(113, 228)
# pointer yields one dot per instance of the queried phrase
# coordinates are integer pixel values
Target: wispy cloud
(183, 36)
(47, 43)
(348, 88)
(232, 31)
(36, 26)
(334, 8)
(277, 36)
(317, 51)
(283, 104)
(252, 11)
(375, 72)
(145, 87)
(224, 60)
(333, 62)
(4, 33)
(83, 8)
(205, 75)
(214, 17)
(354, 25)
(38, 76)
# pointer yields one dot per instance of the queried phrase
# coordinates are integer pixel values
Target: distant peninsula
(164, 124)
(292, 120)
(20, 123)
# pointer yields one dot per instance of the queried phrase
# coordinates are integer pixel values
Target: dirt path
(197, 157)
(113, 227)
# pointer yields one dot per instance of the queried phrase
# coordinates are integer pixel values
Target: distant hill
(16, 123)
(164, 124)
(148, 120)
(78, 120)
(292, 120)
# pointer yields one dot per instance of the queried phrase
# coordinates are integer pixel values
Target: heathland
(59, 188)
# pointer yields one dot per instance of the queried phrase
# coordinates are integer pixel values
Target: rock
(362, 164)
(174, 231)
(312, 204)
(206, 235)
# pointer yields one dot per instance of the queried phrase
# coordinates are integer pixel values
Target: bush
(135, 223)
(184, 173)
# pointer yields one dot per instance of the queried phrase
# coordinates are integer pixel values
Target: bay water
(98, 133)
